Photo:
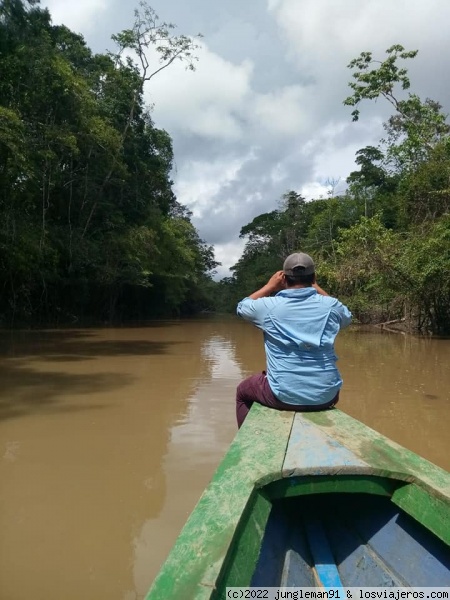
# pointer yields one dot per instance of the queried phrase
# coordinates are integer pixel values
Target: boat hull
(282, 465)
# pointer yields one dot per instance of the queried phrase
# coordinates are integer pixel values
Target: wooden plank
(358, 566)
(428, 500)
(384, 457)
(427, 509)
(312, 452)
(296, 572)
(254, 459)
(393, 536)
(285, 559)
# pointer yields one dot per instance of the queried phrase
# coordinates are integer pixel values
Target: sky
(263, 112)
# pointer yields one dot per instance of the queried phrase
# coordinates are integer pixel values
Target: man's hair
(300, 279)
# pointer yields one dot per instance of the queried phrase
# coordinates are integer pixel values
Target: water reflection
(30, 387)
(108, 438)
(79, 480)
(198, 440)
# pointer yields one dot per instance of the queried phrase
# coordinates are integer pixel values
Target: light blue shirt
(299, 327)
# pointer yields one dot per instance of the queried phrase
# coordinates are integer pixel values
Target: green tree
(86, 200)
(374, 188)
(383, 247)
(416, 126)
(423, 268)
(364, 275)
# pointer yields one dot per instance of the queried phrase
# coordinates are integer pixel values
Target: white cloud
(228, 254)
(281, 112)
(199, 181)
(278, 173)
(245, 130)
(272, 4)
(324, 36)
(334, 148)
(82, 15)
(218, 102)
(313, 190)
(205, 103)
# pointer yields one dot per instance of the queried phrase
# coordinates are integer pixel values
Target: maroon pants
(256, 389)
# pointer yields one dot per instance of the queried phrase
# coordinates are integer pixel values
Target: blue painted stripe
(322, 556)
(328, 576)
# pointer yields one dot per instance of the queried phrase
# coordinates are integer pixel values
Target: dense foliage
(383, 247)
(89, 225)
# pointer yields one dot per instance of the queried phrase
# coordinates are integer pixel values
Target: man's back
(300, 327)
(300, 324)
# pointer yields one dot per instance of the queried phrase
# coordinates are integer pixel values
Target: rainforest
(91, 230)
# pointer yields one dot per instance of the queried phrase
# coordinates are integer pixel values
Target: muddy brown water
(109, 436)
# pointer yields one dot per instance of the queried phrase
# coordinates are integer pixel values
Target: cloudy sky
(263, 112)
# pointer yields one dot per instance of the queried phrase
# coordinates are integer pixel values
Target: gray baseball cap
(297, 264)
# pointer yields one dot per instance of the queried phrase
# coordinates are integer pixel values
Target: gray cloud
(263, 113)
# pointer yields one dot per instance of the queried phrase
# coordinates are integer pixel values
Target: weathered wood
(430, 510)
(358, 564)
(241, 561)
(312, 451)
(328, 452)
(382, 456)
(288, 563)
(254, 459)
(428, 501)
(349, 540)
(394, 537)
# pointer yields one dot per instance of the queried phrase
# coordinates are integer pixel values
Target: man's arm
(275, 284)
(319, 290)
(255, 312)
(344, 314)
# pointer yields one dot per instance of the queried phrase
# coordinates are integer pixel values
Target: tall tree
(86, 200)
(417, 126)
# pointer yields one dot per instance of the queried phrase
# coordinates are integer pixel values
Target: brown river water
(109, 436)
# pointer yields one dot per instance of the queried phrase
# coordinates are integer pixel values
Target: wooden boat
(316, 500)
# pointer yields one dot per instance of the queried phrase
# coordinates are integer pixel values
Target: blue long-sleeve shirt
(299, 327)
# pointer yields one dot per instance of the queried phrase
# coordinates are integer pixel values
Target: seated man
(300, 324)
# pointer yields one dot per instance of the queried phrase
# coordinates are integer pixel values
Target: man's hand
(276, 283)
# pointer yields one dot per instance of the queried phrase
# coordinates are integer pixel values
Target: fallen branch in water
(402, 320)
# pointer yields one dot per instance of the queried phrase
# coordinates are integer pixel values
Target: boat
(314, 499)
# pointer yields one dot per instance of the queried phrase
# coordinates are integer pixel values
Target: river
(109, 436)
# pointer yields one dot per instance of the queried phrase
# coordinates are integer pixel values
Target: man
(300, 324)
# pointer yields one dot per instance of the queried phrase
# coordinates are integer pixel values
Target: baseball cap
(297, 264)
